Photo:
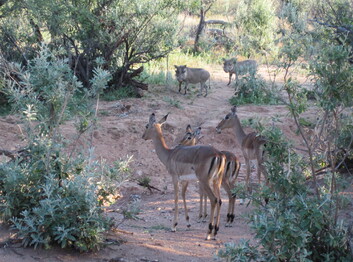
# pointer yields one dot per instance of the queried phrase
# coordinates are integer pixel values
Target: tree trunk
(199, 31)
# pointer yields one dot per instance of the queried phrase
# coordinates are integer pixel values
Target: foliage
(118, 94)
(294, 225)
(172, 102)
(336, 20)
(333, 75)
(300, 222)
(255, 26)
(52, 191)
(252, 90)
(243, 252)
(123, 33)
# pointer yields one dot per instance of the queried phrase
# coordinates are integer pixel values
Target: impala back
(188, 160)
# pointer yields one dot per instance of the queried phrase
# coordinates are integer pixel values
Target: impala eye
(189, 138)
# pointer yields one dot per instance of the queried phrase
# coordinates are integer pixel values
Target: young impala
(183, 162)
(251, 144)
(231, 172)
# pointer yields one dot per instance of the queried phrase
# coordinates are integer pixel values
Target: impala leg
(214, 201)
(183, 193)
(232, 199)
(248, 173)
(259, 169)
(203, 205)
(226, 186)
(204, 208)
(176, 199)
(201, 202)
(217, 191)
(232, 216)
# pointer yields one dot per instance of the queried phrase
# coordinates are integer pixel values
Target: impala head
(153, 126)
(180, 73)
(227, 121)
(228, 64)
(191, 136)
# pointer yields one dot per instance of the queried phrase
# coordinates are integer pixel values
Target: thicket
(126, 34)
(52, 190)
(301, 221)
(98, 44)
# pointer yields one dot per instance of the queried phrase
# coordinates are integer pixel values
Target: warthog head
(180, 73)
(228, 64)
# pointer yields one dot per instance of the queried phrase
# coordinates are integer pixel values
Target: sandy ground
(147, 237)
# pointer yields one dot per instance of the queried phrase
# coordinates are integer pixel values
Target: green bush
(51, 193)
(252, 90)
(255, 25)
(44, 209)
(294, 225)
(118, 94)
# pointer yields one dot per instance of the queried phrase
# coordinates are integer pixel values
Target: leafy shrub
(51, 193)
(252, 90)
(46, 210)
(118, 94)
(255, 23)
(294, 225)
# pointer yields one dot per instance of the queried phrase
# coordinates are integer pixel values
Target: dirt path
(147, 237)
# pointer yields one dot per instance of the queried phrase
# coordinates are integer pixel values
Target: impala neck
(161, 147)
(239, 131)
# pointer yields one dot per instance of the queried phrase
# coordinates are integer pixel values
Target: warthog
(193, 76)
(231, 66)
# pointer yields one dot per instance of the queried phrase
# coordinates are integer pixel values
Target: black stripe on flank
(228, 167)
(212, 164)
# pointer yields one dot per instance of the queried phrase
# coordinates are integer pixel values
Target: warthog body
(231, 66)
(193, 76)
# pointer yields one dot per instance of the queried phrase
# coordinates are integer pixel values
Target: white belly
(188, 177)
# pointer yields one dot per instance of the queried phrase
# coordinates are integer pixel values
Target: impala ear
(234, 109)
(188, 129)
(152, 119)
(197, 131)
(163, 119)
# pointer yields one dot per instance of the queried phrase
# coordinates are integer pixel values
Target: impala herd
(212, 168)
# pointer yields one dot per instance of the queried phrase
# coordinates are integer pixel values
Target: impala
(190, 139)
(251, 144)
(183, 162)
(231, 172)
